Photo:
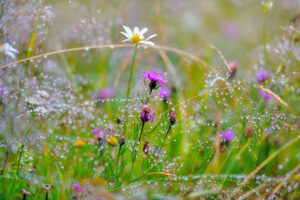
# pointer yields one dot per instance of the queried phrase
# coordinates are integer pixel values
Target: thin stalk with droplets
(131, 71)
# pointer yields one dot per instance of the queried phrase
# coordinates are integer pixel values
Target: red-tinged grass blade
(273, 94)
(164, 174)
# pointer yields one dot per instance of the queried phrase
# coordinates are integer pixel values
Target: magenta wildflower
(77, 187)
(2, 95)
(164, 92)
(147, 114)
(106, 93)
(265, 95)
(261, 75)
(227, 135)
(154, 78)
(99, 134)
(231, 30)
(233, 66)
(2, 91)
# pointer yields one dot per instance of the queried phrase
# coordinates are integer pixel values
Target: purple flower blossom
(231, 30)
(99, 134)
(261, 75)
(154, 78)
(2, 91)
(77, 187)
(147, 114)
(233, 65)
(227, 135)
(164, 92)
(106, 93)
(265, 95)
(153, 75)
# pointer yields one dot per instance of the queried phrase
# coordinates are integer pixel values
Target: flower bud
(248, 132)
(146, 147)
(172, 118)
(26, 193)
(122, 141)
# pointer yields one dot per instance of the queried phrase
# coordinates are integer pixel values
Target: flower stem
(265, 38)
(5, 161)
(18, 167)
(47, 195)
(119, 155)
(131, 70)
(166, 136)
(142, 164)
(117, 169)
(19, 161)
(142, 128)
(143, 123)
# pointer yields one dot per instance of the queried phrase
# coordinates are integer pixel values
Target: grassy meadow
(149, 99)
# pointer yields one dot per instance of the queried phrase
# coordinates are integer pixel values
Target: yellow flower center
(136, 39)
(112, 141)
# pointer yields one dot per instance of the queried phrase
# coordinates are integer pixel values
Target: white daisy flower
(8, 50)
(137, 36)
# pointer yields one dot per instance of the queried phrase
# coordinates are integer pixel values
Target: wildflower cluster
(182, 125)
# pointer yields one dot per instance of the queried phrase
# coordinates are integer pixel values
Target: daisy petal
(8, 47)
(128, 30)
(10, 54)
(151, 36)
(147, 43)
(126, 40)
(135, 31)
(125, 34)
(144, 30)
